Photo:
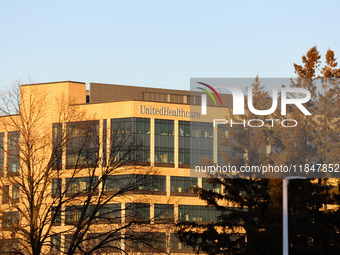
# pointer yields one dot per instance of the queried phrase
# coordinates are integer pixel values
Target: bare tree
(63, 190)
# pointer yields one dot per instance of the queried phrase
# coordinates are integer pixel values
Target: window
(13, 155)
(9, 219)
(137, 211)
(68, 240)
(117, 183)
(184, 143)
(130, 139)
(150, 182)
(56, 186)
(228, 147)
(2, 154)
(164, 212)
(81, 185)
(99, 213)
(109, 244)
(135, 182)
(15, 192)
(5, 194)
(57, 145)
(201, 142)
(9, 246)
(146, 243)
(73, 213)
(110, 212)
(56, 215)
(164, 141)
(56, 242)
(183, 184)
(155, 96)
(82, 147)
(176, 245)
(104, 142)
(197, 213)
(207, 185)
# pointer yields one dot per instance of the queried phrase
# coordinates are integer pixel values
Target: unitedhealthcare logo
(239, 98)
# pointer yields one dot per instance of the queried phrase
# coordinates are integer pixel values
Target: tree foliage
(254, 226)
(40, 186)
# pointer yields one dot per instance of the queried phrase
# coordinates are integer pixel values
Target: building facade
(158, 120)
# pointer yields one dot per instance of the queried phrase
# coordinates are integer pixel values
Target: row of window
(131, 182)
(118, 183)
(133, 211)
(158, 243)
(130, 139)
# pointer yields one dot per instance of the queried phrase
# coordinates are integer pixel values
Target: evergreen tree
(240, 230)
(254, 227)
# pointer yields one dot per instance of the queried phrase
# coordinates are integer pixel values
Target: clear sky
(160, 43)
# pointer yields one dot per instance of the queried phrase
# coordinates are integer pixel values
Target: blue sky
(160, 43)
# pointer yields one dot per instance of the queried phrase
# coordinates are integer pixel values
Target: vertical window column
(176, 143)
(201, 142)
(184, 143)
(13, 153)
(104, 142)
(2, 154)
(152, 142)
(57, 145)
(164, 141)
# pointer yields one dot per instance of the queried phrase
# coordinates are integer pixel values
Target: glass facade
(195, 142)
(5, 194)
(56, 214)
(55, 242)
(82, 148)
(57, 141)
(81, 185)
(135, 182)
(184, 143)
(181, 184)
(137, 211)
(73, 213)
(206, 185)
(202, 141)
(56, 186)
(2, 154)
(197, 213)
(130, 139)
(13, 155)
(101, 214)
(164, 141)
(177, 246)
(164, 212)
(15, 192)
(112, 246)
(158, 243)
(104, 152)
(110, 212)
(10, 218)
(227, 146)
